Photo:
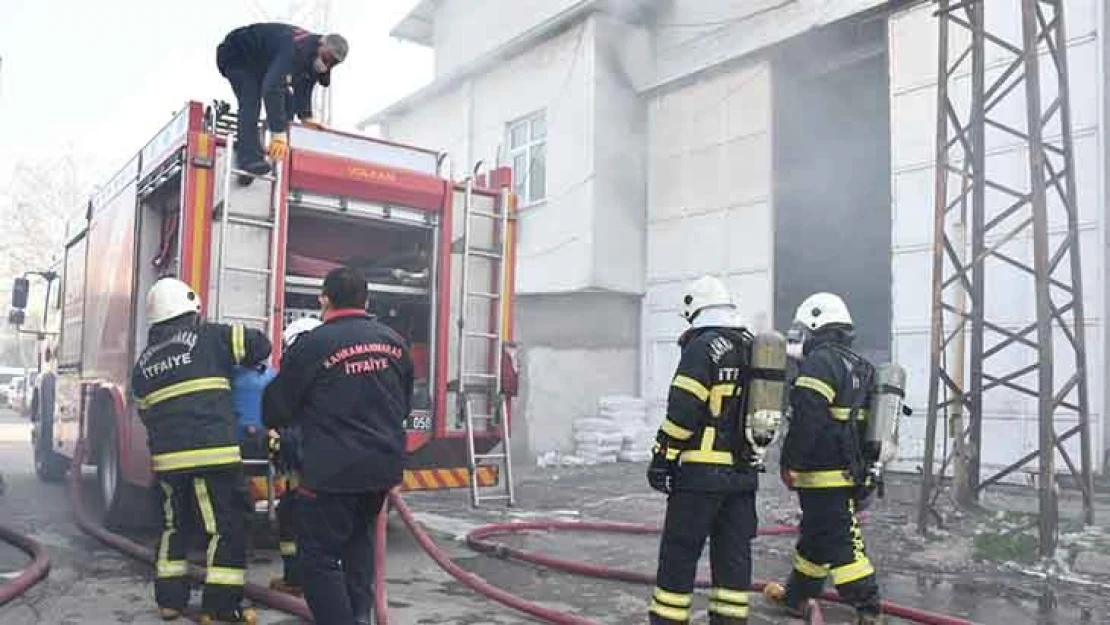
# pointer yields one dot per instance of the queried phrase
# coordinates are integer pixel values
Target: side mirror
(16, 317)
(20, 290)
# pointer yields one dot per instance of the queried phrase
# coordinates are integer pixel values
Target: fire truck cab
(438, 257)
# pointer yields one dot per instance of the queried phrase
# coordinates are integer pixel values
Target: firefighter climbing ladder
(472, 384)
(245, 290)
(1021, 359)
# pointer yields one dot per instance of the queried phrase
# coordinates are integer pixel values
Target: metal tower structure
(984, 222)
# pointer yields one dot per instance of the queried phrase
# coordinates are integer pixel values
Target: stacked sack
(619, 432)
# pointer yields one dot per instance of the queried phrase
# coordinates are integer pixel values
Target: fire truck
(438, 256)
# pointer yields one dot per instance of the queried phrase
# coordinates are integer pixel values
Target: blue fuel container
(247, 385)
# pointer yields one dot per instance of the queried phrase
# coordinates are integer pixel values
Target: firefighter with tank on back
(181, 382)
(280, 65)
(348, 386)
(285, 451)
(708, 455)
(828, 460)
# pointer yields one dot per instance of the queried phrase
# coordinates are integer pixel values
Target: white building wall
(1010, 419)
(467, 29)
(709, 205)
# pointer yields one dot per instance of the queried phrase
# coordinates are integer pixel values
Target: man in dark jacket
(348, 385)
(274, 63)
(181, 383)
(823, 460)
(705, 464)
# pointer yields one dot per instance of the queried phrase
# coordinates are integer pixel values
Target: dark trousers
(247, 86)
(830, 544)
(286, 512)
(728, 520)
(335, 550)
(218, 497)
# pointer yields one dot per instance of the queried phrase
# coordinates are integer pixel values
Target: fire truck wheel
(49, 465)
(126, 506)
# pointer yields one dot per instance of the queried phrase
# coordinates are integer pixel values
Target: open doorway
(832, 175)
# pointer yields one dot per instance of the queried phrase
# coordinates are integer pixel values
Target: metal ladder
(244, 225)
(472, 383)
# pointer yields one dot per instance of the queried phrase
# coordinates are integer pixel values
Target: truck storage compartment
(397, 260)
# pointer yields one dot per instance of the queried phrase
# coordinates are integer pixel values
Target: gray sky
(99, 78)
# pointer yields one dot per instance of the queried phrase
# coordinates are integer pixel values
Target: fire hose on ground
(32, 573)
(477, 540)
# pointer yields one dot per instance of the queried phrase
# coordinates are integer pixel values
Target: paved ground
(93, 584)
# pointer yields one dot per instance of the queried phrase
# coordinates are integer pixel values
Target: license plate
(419, 423)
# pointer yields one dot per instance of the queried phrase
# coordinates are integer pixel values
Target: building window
(528, 153)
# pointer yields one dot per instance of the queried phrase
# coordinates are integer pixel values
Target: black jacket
(822, 447)
(280, 58)
(181, 382)
(703, 428)
(348, 385)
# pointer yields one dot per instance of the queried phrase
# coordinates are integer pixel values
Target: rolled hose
(33, 573)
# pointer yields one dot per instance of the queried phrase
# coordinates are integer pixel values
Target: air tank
(884, 412)
(763, 414)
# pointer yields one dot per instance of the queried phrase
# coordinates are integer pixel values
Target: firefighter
(285, 448)
(280, 65)
(348, 385)
(822, 459)
(181, 382)
(703, 462)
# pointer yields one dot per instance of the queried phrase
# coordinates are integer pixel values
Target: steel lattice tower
(980, 215)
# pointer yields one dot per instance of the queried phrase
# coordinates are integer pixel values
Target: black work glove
(661, 472)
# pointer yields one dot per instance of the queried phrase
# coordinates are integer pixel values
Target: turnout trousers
(247, 86)
(830, 544)
(218, 497)
(287, 541)
(728, 520)
(335, 554)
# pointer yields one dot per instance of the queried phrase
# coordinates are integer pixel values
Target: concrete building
(784, 145)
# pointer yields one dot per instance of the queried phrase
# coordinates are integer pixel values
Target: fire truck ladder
(247, 218)
(474, 384)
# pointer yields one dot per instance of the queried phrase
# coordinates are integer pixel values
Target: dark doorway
(832, 176)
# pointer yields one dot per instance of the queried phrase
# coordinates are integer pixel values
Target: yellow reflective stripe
(728, 609)
(708, 438)
(163, 562)
(810, 569)
(183, 388)
(692, 386)
(225, 576)
(739, 597)
(706, 457)
(204, 502)
(288, 548)
(171, 568)
(818, 386)
(853, 572)
(717, 396)
(238, 343)
(675, 614)
(672, 454)
(195, 458)
(821, 479)
(842, 414)
(675, 599)
(675, 431)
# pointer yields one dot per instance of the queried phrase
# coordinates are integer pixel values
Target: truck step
(248, 221)
(482, 335)
(488, 376)
(486, 253)
(243, 172)
(484, 295)
(500, 456)
(252, 270)
(486, 214)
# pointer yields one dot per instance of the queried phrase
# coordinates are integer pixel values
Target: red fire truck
(438, 256)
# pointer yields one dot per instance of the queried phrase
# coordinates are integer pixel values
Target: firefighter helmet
(296, 329)
(822, 309)
(705, 292)
(169, 298)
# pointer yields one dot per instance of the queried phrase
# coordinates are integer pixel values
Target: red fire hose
(35, 571)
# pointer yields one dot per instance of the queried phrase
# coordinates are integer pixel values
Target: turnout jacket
(181, 383)
(348, 385)
(822, 448)
(703, 428)
(280, 56)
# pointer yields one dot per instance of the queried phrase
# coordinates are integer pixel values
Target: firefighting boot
(241, 615)
(776, 594)
(169, 614)
(279, 584)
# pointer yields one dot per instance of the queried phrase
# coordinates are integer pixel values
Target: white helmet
(297, 328)
(705, 292)
(822, 309)
(169, 298)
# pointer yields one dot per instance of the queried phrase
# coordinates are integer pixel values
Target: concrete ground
(93, 584)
